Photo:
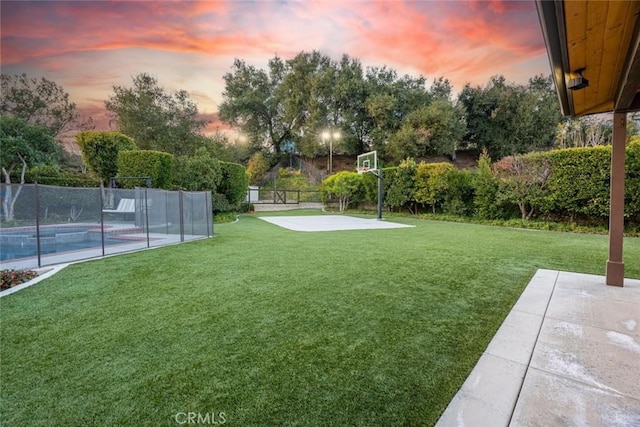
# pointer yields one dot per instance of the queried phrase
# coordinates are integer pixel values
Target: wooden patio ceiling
(603, 39)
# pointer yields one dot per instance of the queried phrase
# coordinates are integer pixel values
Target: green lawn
(274, 327)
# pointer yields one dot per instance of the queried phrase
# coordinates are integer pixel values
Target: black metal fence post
(146, 215)
(191, 211)
(209, 214)
(181, 216)
(36, 193)
(166, 209)
(102, 216)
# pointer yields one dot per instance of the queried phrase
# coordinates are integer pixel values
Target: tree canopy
(23, 144)
(298, 99)
(41, 102)
(155, 119)
(509, 119)
(375, 108)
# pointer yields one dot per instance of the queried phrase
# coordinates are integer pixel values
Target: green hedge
(370, 184)
(579, 181)
(632, 182)
(437, 186)
(100, 151)
(432, 183)
(234, 184)
(459, 192)
(146, 163)
(571, 183)
(199, 172)
(576, 185)
(52, 175)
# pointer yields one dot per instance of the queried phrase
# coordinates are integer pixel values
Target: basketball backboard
(367, 162)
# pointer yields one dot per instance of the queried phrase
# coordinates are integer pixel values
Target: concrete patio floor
(568, 354)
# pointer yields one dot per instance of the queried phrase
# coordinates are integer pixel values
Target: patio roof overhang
(602, 38)
(594, 52)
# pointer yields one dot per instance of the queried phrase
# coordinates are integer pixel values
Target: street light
(330, 136)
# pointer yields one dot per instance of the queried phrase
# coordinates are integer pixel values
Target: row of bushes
(112, 154)
(561, 184)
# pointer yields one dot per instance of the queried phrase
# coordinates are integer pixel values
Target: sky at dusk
(89, 46)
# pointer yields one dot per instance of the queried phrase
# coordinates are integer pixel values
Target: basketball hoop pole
(380, 190)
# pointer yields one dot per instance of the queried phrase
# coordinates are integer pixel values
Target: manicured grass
(274, 327)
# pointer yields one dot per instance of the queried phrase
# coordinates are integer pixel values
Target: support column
(615, 265)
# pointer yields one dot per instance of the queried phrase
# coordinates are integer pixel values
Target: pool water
(16, 245)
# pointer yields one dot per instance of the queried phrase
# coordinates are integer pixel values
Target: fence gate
(280, 196)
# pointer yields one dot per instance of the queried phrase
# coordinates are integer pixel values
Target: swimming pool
(17, 244)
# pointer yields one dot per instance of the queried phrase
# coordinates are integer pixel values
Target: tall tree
(41, 102)
(509, 119)
(155, 119)
(337, 104)
(253, 102)
(441, 89)
(390, 100)
(350, 93)
(436, 128)
(482, 107)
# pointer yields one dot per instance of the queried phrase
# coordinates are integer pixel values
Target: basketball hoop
(367, 162)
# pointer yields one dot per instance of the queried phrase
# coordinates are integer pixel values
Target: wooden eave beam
(628, 95)
(551, 16)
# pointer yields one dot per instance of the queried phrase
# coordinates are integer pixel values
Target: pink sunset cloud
(458, 40)
(88, 47)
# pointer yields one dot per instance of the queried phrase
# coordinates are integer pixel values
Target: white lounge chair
(125, 206)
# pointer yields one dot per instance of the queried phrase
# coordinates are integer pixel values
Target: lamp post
(330, 136)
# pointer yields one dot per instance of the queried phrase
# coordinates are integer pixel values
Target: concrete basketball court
(329, 223)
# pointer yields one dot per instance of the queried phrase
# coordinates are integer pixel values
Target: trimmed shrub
(400, 191)
(199, 172)
(579, 181)
(220, 203)
(53, 175)
(523, 181)
(100, 151)
(155, 164)
(432, 183)
(370, 185)
(234, 183)
(345, 186)
(571, 183)
(486, 189)
(257, 168)
(459, 194)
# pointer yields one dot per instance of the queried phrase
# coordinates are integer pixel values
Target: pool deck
(568, 354)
